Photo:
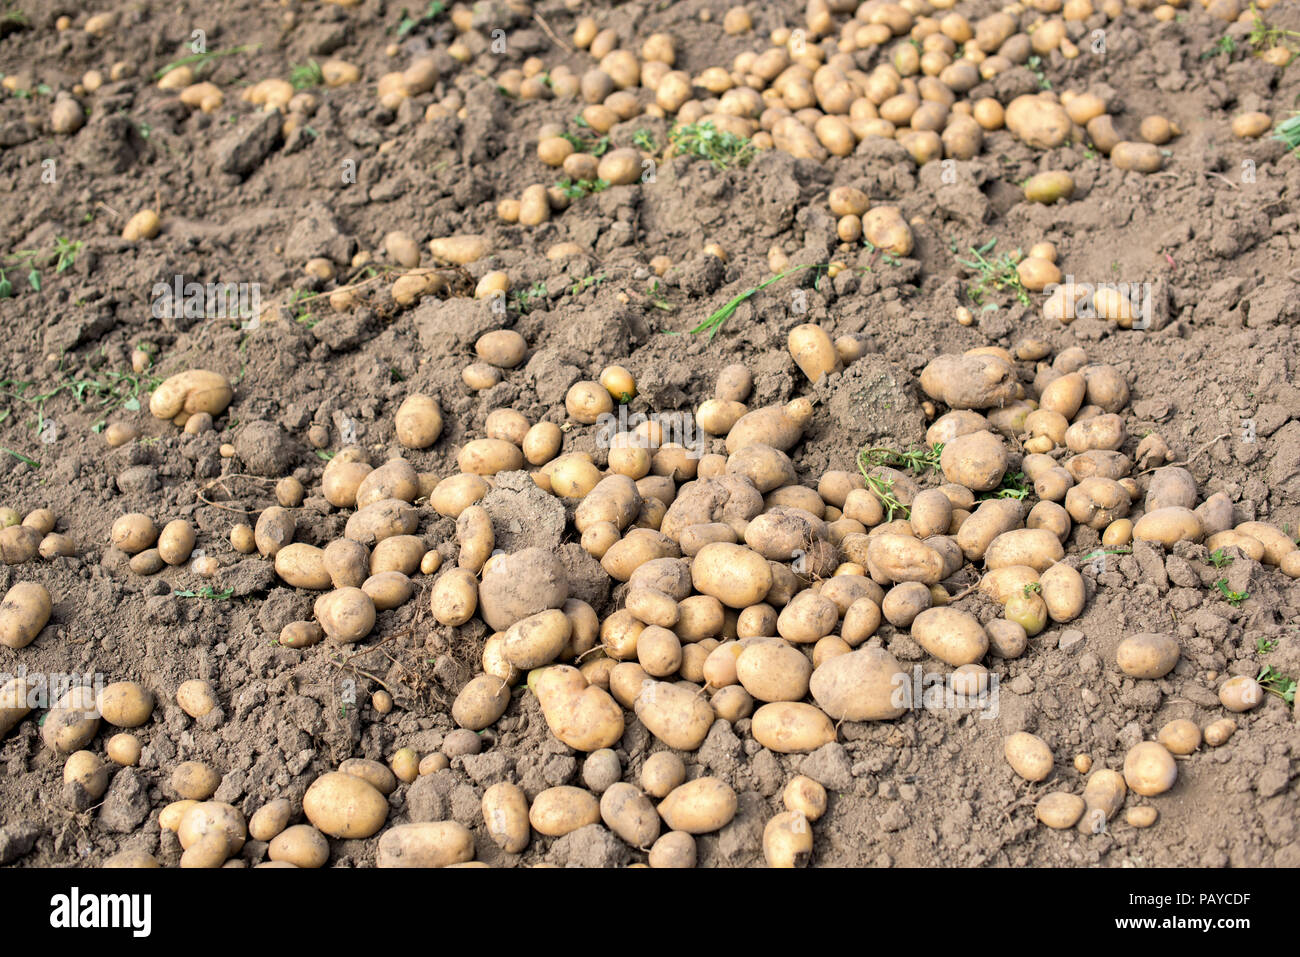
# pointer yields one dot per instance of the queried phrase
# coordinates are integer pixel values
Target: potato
(123, 749)
(397, 553)
(475, 536)
(904, 602)
(345, 614)
(951, 635)
(630, 814)
(1149, 769)
(490, 456)
(679, 718)
(426, 844)
(1147, 655)
(1063, 592)
(54, 546)
(572, 476)
(270, 819)
(736, 576)
(1059, 810)
(72, 722)
(301, 845)
(303, 566)
(699, 807)
(1251, 125)
(418, 422)
(275, 529)
(787, 840)
(176, 542)
(885, 228)
(341, 479)
(811, 346)
(1050, 186)
(977, 460)
(1097, 502)
(734, 383)
(481, 702)
(1038, 121)
(505, 814)
(1277, 546)
(1142, 157)
(521, 584)
(1036, 548)
(559, 810)
(1168, 526)
(1241, 693)
(774, 671)
(766, 468)
(125, 704)
(1180, 736)
(190, 392)
(792, 726)
(674, 849)
(615, 499)
(1028, 755)
(131, 533)
(85, 779)
(970, 381)
(24, 612)
(453, 495)
(346, 562)
(202, 820)
(1218, 732)
(620, 167)
(1103, 796)
(345, 806)
(897, 558)
(454, 597)
(778, 426)
(582, 716)
(196, 698)
(460, 250)
(864, 685)
(536, 640)
(807, 618)
(661, 773)
(194, 780)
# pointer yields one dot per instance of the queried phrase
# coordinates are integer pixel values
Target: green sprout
(1274, 682)
(1234, 598)
(721, 148)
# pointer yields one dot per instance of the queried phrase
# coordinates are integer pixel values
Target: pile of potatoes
(23, 537)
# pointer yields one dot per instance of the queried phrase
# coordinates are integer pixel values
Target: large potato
(343, 805)
(418, 422)
(395, 479)
(735, 575)
(774, 671)
(1038, 121)
(898, 558)
(72, 722)
(345, 614)
(126, 704)
(521, 584)
(454, 597)
(791, 726)
(1168, 526)
(630, 814)
(426, 844)
(1147, 655)
(454, 494)
(615, 499)
(679, 718)
(980, 381)
(953, 636)
(986, 523)
(190, 392)
(977, 460)
(863, 685)
(581, 715)
(536, 640)
(1036, 548)
(303, 566)
(779, 426)
(1149, 769)
(699, 807)
(1063, 592)
(24, 612)
(380, 520)
(1028, 755)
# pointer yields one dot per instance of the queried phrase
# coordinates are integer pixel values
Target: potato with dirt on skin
(345, 614)
(773, 671)
(72, 722)
(701, 806)
(1028, 755)
(1049, 186)
(274, 530)
(425, 844)
(301, 845)
(779, 426)
(677, 717)
(977, 460)
(454, 596)
(787, 840)
(1097, 502)
(346, 562)
(133, 533)
(344, 806)
(1038, 121)
(505, 814)
(863, 685)
(583, 716)
(536, 640)
(1059, 810)
(807, 618)
(961, 382)
(1251, 125)
(25, 611)
(454, 494)
(791, 727)
(615, 499)
(1180, 736)
(813, 351)
(885, 228)
(481, 702)
(898, 558)
(1147, 655)
(1277, 545)
(125, 704)
(1168, 526)
(951, 635)
(176, 542)
(630, 814)
(489, 456)
(341, 479)
(191, 392)
(303, 566)
(1036, 548)
(475, 536)
(397, 553)
(503, 348)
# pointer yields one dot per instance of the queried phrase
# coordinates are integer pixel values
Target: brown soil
(929, 789)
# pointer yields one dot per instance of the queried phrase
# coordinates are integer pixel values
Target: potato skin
(700, 806)
(951, 635)
(735, 575)
(418, 422)
(345, 614)
(677, 717)
(583, 716)
(505, 814)
(189, 392)
(863, 685)
(303, 566)
(559, 810)
(630, 814)
(1147, 655)
(1028, 755)
(792, 726)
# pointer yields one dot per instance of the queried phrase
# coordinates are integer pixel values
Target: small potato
(1028, 755)
(1218, 732)
(662, 772)
(344, 806)
(270, 819)
(1251, 125)
(126, 704)
(804, 796)
(454, 494)
(1048, 187)
(1149, 769)
(454, 596)
(1180, 736)
(196, 698)
(123, 749)
(677, 717)
(474, 535)
(1060, 810)
(194, 781)
(388, 590)
(1241, 693)
(813, 351)
(1141, 157)
(674, 849)
(586, 402)
(787, 840)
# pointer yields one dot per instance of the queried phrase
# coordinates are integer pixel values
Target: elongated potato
(699, 807)
(581, 715)
(425, 844)
(505, 814)
(792, 726)
(677, 717)
(25, 611)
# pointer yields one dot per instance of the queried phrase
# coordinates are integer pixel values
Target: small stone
(1069, 638)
